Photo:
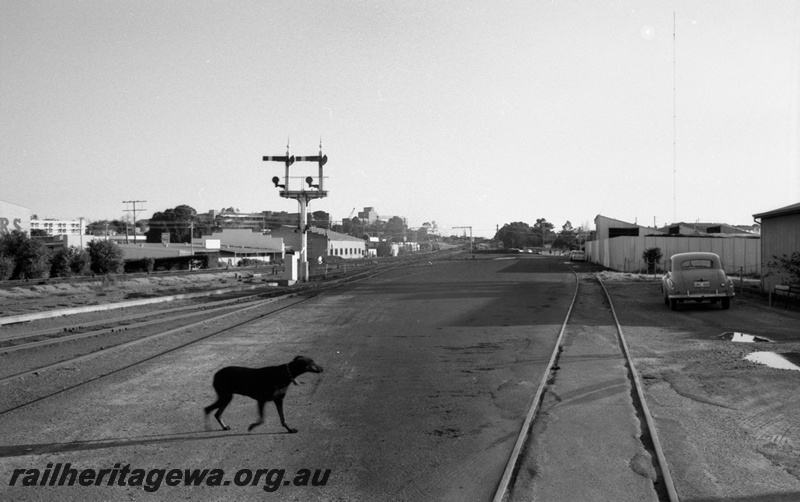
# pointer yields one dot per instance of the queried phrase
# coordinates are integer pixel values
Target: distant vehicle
(577, 255)
(696, 277)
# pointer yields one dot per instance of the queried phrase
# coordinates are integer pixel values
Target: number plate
(702, 284)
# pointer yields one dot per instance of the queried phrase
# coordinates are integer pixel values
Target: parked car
(696, 277)
(577, 255)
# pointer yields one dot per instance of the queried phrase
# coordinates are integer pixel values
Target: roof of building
(793, 209)
(336, 236)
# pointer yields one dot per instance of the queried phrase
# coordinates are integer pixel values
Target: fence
(738, 254)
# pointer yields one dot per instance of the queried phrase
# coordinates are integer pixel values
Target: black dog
(262, 384)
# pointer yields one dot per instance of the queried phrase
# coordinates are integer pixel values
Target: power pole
(303, 196)
(470, 237)
(134, 202)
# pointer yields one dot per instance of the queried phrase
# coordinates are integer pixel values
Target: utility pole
(302, 196)
(470, 237)
(134, 202)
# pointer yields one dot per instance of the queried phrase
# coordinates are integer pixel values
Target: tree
(652, 257)
(515, 235)
(106, 257)
(30, 256)
(542, 228)
(320, 219)
(787, 266)
(177, 222)
(68, 262)
(396, 228)
(7, 266)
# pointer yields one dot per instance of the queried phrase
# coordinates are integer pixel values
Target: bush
(787, 267)
(68, 262)
(106, 257)
(7, 266)
(652, 257)
(31, 258)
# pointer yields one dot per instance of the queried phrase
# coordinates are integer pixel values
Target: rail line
(308, 293)
(513, 462)
(57, 335)
(141, 361)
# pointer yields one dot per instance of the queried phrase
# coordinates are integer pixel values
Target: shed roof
(793, 209)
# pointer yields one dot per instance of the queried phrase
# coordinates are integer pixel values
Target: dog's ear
(298, 358)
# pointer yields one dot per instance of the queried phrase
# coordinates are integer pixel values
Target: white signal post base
(290, 269)
(303, 197)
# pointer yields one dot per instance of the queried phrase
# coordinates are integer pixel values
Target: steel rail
(330, 285)
(522, 437)
(149, 358)
(651, 426)
(120, 319)
(120, 327)
(131, 343)
(511, 465)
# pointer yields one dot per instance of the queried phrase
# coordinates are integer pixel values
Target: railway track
(59, 359)
(232, 314)
(585, 286)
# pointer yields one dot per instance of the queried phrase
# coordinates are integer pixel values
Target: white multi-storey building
(59, 227)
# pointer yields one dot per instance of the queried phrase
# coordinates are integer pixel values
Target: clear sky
(467, 113)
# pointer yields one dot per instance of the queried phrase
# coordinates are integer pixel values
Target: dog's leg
(279, 406)
(260, 416)
(221, 404)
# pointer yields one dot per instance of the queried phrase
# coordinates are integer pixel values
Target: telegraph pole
(134, 202)
(303, 196)
(470, 237)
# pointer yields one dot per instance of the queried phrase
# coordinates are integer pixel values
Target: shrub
(67, 262)
(31, 258)
(7, 266)
(106, 257)
(787, 266)
(652, 257)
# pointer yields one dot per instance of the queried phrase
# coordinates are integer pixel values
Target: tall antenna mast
(674, 127)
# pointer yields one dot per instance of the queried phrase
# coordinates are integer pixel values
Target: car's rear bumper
(702, 296)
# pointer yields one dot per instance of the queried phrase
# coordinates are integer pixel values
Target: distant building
(780, 235)
(683, 228)
(59, 227)
(235, 244)
(14, 217)
(608, 228)
(368, 215)
(232, 218)
(322, 243)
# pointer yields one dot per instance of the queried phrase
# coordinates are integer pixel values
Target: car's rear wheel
(726, 303)
(673, 304)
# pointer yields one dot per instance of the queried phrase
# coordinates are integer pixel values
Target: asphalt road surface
(428, 374)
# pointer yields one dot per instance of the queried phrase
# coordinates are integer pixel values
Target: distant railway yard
(449, 376)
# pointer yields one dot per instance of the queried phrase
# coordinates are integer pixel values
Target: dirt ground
(730, 427)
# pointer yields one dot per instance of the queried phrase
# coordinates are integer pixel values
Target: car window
(691, 264)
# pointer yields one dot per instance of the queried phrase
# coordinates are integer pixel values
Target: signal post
(303, 195)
